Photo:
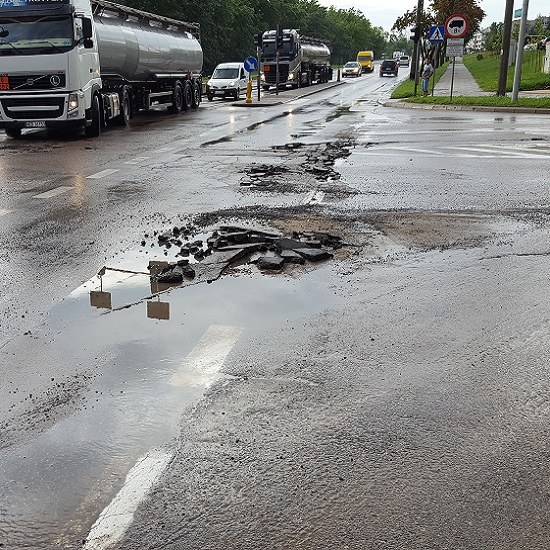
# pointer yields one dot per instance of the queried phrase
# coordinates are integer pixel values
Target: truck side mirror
(87, 32)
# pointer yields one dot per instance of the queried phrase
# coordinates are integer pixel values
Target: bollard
(249, 91)
(338, 76)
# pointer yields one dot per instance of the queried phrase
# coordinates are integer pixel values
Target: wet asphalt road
(392, 397)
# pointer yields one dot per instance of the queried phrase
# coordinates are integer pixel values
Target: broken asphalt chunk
(313, 254)
(270, 263)
(291, 257)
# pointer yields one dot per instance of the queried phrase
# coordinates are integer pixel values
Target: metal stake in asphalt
(519, 53)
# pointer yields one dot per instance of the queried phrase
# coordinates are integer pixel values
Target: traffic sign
(437, 33)
(456, 26)
(250, 64)
(455, 47)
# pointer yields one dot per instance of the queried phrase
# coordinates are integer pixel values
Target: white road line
(102, 174)
(117, 517)
(3, 212)
(488, 150)
(53, 193)
(210, 353)
(137, 160)
(309, 197)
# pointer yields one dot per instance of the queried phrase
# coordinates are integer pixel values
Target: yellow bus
(366, 59)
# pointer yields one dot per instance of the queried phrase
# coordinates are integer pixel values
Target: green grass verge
(406, 88)
(489, 101)
(486, 71)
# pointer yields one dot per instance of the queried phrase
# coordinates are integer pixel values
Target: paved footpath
(462, 81)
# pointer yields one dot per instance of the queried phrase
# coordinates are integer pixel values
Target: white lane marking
(102, 174)
(3, 211)
(309, 197)
(117, 517)
(137, 160)
(53, 193)
(487, 150)
(314, 197)
(210, 353)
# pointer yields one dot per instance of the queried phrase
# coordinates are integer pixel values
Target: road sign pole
(259, 80)
(519, 55)
(453, 77)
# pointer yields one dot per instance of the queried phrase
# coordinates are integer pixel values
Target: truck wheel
(125, 109)
(177, 99)
(197, 95)
(94, 129)
(187, 95)
(13, 132)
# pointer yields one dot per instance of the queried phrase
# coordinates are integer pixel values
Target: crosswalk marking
(210, 353)
(117, 517)
(137, 160)
(102, 174)
(53, 193)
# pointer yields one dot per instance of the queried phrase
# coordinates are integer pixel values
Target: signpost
(456, 28)
(250, 65)
(437, 33)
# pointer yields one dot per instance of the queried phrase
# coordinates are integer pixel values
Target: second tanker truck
(302, 60)
(81, 63)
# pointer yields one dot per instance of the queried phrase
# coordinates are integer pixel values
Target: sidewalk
(463, 82)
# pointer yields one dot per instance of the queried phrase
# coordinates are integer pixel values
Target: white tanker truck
(302, 60)
(82, 63)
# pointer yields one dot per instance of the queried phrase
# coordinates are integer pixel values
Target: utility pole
(519, 54)
(506, 36)
(414, 65)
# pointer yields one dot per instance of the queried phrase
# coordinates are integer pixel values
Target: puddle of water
(56, 484)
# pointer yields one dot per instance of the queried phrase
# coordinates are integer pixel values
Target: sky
(383, 14)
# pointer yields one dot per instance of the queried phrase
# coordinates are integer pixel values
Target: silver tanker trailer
(82, 63)
(302, 60)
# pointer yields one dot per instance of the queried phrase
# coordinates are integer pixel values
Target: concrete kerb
(270, 101)
(397, 103)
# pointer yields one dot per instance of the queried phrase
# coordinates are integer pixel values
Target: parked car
(352, 68)
(389, 66)
(404, 61)
(227, 80)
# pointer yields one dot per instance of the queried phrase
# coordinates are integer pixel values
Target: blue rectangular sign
(437, 33)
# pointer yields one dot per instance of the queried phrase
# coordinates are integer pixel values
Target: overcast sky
(383, 14)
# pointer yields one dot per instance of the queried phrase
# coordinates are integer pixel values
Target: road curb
(479, 108)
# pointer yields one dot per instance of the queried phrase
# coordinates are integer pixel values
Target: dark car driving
(389, 66)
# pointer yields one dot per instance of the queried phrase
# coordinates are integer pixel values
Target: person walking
(427, 72)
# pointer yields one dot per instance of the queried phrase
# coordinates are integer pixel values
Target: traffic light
(415, 34)
(279, 37)
(258, 39)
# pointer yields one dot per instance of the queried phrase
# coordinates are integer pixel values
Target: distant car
(389, 66)
(352, 68)
(404, 61)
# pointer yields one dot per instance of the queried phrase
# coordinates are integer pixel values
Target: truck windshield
(269, 50)
(225, 73)
(36, 35)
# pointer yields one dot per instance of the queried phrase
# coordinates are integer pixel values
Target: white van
(227, 80)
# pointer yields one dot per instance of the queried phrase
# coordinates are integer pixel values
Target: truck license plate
(35, 124)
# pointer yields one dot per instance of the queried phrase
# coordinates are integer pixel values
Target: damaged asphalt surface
(392, 394)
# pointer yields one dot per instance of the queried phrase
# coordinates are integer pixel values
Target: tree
(438, 11)
(493, 38)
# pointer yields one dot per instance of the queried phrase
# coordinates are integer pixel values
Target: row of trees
(228, 26)
(539, 30)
